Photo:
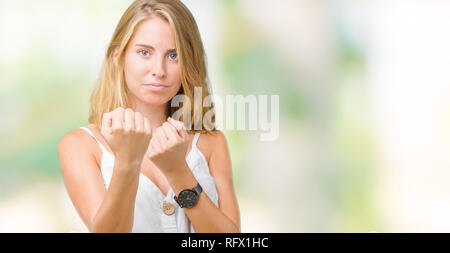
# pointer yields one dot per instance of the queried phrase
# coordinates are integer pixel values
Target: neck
(156, 114)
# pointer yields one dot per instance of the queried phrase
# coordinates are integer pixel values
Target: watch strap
(198, 189)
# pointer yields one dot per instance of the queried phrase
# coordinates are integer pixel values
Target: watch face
(187, 198)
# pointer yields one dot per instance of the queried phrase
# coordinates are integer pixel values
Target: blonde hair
(111, 90)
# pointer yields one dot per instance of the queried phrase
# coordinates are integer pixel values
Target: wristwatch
(188, 198)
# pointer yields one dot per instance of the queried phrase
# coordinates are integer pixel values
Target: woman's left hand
(168, 146)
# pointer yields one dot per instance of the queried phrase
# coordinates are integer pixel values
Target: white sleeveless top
(148, 213)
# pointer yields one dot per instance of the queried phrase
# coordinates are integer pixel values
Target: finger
(161, 137)
(179, 126)
(184, 135)
(139, 122)
(129, 122)
(182, 131)
(171, 132)
(106, 123)
(117, 119)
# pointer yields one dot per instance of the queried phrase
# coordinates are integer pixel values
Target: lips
(158, 85)
(155, 86)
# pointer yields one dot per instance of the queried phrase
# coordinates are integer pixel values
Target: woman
(133, 168)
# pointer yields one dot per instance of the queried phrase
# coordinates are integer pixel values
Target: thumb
(106, 128)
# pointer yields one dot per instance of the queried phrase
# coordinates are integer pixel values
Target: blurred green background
(364, 108)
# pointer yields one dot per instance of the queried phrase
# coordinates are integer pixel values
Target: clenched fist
(128, 133)
(168, 146)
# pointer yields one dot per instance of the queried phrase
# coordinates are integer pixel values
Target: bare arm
(116, 212)
(101, 210)
(205, 216)
(111, 210)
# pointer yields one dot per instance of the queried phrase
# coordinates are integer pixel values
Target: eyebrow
(152, 48)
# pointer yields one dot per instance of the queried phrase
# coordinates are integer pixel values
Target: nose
(158, 68)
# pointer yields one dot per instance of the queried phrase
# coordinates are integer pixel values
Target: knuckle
(128, 127)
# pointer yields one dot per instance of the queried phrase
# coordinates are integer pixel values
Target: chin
(156, 99)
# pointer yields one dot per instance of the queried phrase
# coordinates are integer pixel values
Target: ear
(115, 56)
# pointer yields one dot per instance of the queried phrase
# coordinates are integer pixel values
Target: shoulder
(74, 137)
(75, 141)
(214, 136)
(217, 135)
(211, 139)
(212, 144)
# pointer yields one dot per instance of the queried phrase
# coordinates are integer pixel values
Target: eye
(173, 56)
(144, 52)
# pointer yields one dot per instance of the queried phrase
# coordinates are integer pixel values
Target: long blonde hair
(111, 90)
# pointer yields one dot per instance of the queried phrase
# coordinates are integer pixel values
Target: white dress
(148, 213)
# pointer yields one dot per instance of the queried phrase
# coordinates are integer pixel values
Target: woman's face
(152, 73)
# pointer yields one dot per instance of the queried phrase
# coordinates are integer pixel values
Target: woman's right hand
(128, 134)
